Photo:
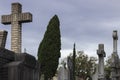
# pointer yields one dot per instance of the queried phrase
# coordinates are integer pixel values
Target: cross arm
(6, 19)
(25, 17)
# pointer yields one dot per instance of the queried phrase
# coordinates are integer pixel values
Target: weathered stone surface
(18, 67)
(70, 68)
(26, 59)
(15, 19)
(6, 56)
(63, 73)
(101, 55)
(3, 36)
(115, 65)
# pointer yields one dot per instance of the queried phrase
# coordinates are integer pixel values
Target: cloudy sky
(85, 22)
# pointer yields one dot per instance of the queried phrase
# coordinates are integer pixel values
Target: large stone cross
(15, 19)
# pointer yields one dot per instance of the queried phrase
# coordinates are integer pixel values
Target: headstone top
(115, 36)
(100, 50)
(101, 46)
(16, 8)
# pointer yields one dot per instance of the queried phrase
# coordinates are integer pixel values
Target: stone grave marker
(115, 65)
(63, 73)
(16, 66)
(16, 19)
(101, 55)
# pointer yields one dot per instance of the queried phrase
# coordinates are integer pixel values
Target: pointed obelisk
(16, 18)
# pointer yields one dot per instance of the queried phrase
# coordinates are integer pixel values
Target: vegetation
(108, 68)
(84, 66)
(49, 49)
(74, 55)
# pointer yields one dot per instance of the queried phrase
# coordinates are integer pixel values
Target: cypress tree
(74, 55)
(49, 49)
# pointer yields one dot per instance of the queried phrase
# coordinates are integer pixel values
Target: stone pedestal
(18, 67)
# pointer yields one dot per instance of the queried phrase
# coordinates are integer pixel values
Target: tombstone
(16, 18)
(16, 66)
(101, 55)
(63, 73)
(70, 67)
(95, 75)
(115, 65)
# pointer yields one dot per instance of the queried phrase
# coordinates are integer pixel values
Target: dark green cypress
(49, 49)
(74, 55)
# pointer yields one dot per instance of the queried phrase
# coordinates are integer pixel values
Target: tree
(74, 55)
(84, 66)
(49, 49)
(108, 68)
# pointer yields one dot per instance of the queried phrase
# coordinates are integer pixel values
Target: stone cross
(101, 55)
(15, 19)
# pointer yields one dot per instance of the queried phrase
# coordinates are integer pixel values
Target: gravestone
(101, 55)
(16, 66)
(70, 67)
(6, 57)
(16, 19)
(63, 73)
(115, 65)
(95, 75)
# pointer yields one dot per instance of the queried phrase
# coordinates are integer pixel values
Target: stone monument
(63, 72)
(16, 19)
(115, 66)
(3, 36)
(101, 55)
(70, 67)
(16, 66)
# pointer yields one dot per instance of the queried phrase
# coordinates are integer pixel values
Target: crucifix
(16, 18)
